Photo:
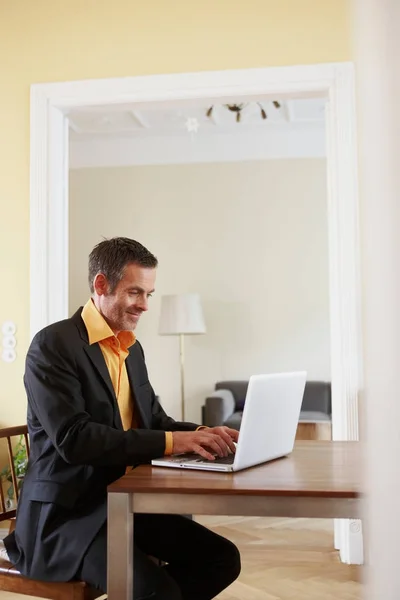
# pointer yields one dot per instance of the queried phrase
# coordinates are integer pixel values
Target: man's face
(123, 307)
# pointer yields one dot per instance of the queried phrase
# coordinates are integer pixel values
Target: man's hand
(228, 435)
(203, 442)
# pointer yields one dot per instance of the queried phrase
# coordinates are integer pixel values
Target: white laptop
(268, 428)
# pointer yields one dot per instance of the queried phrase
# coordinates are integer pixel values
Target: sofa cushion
(317, 397)
(316, 405)
(314, 416)
(234, 420)
(238, 389)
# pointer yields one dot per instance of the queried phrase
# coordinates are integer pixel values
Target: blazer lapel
(134, 376)
(96, 356)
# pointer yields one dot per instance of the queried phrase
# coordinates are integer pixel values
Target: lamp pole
(182, 361)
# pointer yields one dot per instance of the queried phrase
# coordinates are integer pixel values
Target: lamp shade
(181, 314)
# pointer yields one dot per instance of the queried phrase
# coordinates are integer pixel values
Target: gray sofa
(225, 405)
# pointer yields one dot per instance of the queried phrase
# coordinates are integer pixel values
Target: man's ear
(100, 284)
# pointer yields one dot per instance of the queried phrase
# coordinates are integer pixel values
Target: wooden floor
(282, 559)
(287, 559)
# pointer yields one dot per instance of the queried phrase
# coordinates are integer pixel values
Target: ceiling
(143, 135)
(145, 122)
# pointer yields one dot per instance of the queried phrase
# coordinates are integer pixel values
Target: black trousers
(200, 563)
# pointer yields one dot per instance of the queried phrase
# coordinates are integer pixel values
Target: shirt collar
(98, 329)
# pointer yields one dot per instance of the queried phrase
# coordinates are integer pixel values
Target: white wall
(250, 237)
(377, 47)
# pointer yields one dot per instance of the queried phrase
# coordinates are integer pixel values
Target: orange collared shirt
(115, 349)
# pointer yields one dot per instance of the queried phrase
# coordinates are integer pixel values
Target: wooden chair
(10, 579)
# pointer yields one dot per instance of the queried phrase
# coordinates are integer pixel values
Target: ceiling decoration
(238, 108)
(192, 124)
(206, 117)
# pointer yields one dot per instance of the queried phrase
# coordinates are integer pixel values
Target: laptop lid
(270, 418)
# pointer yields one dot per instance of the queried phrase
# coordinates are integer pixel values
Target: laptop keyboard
(224, 460)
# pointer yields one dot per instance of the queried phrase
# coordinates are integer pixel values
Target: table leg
(120, 547)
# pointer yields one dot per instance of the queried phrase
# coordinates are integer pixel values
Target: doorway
(50, 108)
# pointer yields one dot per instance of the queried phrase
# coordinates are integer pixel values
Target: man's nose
(143, 303)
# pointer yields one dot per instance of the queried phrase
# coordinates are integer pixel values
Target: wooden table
(320, 480)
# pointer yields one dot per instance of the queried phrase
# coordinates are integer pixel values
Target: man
(91, 414)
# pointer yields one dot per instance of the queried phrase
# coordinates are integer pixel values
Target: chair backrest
(10, 474)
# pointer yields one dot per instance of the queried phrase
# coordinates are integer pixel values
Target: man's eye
(149, 295)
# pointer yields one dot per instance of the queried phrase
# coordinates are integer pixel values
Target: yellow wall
(58, 40)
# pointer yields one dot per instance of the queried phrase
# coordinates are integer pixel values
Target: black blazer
(78, 447)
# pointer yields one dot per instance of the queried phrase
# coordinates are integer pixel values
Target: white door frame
(50, 104)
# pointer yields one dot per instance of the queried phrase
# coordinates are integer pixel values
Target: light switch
(9, 341)
(9, 355)
(8, 328)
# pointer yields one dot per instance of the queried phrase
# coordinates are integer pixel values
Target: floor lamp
(181, 314)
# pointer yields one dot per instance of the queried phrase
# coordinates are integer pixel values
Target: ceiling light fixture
(238, 108)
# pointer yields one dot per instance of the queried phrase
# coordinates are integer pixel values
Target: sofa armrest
(220, 405)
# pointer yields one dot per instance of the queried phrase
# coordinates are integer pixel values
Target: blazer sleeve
(55, 396)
